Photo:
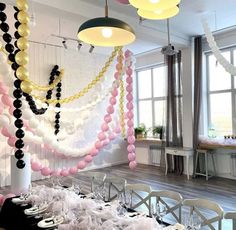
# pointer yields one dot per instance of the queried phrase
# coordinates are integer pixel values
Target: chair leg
(206, 165)
(196, 164)
(213, 163)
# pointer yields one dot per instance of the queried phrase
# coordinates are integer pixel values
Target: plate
(50, 222)
(36, 210)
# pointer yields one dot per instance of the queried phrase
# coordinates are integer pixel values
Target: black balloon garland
(17, 93)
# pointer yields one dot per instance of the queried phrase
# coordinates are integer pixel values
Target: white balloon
(4, 120)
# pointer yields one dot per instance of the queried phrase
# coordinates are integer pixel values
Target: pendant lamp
(106, 31)
(158, 14)
(152, 5)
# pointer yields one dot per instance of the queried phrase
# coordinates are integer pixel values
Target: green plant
(140, 130)
(157, 130)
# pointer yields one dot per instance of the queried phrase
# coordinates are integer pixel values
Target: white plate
(57, 220)
(36, 210)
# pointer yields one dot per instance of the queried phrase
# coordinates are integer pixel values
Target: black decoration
(14, 66)
(19, 144)
(17, 103)
(4, 27)
(2, 6)
(11, 57)
(17, 93)
(20, 133)
(7, 38)
(20, 164)
(19, 123)
(17, 113)
(3, 17)
(17, 35)
(16, 15)
(17, 24)
(19, 154)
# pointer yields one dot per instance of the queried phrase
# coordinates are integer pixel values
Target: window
(151, 96)
(221, 92)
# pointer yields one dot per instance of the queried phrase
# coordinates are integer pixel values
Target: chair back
(197, 204)
(115, 186)
(232, 216)
(97, 179)
(171, 200)
(139, 195)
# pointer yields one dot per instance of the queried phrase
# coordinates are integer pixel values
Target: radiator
(155, 154)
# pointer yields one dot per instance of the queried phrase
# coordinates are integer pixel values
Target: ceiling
(150, 34)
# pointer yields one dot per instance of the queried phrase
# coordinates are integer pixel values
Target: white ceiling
(150, 34)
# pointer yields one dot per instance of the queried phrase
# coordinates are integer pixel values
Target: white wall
(80, 69)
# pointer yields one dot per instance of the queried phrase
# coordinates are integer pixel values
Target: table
(176, 151)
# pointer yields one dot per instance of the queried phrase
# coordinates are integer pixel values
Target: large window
(151, 96)
(221, 96)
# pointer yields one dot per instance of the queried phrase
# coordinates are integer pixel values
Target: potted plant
(158, 131)
(140, 131)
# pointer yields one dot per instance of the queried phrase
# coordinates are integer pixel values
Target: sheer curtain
(197, 92)
(174, 109)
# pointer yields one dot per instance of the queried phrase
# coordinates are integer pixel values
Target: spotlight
(64, 44)
(79, 45)
(91, 49)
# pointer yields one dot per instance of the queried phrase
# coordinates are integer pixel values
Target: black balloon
(17, 85)
(19, 154)
(2, 6)
(15, 15)
(17, 35)
(20, 164)
(57, 121)
(57, 126)
(7, 37)
(57, 116)
(9, 48)
(58, 105)
(4, 27)
(15, 8)
(19, 123)
(58, 95)
(3, 16)
(59, 84)
(19, 144)
(14, 66)
(56, 131)
(31, 102)
(17, 24)
(17, 51)
(11, 57)
(17, 113)
(20, 133)
(56, 67)
(17, 103)
(15, 44)
(17, 93)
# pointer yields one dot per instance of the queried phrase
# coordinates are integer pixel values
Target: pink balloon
(102, 136)
(129, 105)
(5, 132)
(11, 110)
(131, 139)
(129, 80)
(129, 88)
(3, 89)
(6, 100)
(105, 142)
(94, 152)
(131, 156)
(98, 145)
(1, 199)
(130, 148)
(130, 115)
(88, 158)
(130, 131)
(35, 166)
(81, 165)
(129, 72)
(10, 195)
(117, 75)
(104, 127)
(73, 170)
(128, 53)
(107, 118)
(129, 97)
(11, 141)
(56, 172)
(112, 136)
(132, 165)
(110, 109)
(114, 92)
(119, 67)
(64, 172)
(130, 123)
(112, 100)
(45, 171)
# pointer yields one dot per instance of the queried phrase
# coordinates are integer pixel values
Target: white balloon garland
(216, 51)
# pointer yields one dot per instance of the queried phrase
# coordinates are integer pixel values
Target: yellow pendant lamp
(158, 14)
(152, 5)
(106, 31)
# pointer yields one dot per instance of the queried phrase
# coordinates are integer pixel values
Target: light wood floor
(221, 190)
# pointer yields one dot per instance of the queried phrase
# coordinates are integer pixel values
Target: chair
(204, 152)
(139, 195)
(232, 216)
(97, 179)
(115, 186)
(172, 201)
(196, 206)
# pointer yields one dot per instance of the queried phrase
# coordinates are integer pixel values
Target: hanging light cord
(168, 30)
(106, 9)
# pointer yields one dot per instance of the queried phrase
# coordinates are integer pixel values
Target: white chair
(197, 205)
(172, 201)
(97, 179)
(232, 216)
(139, 195)
(115, 186)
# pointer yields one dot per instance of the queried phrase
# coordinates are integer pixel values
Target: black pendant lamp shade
(106, 31)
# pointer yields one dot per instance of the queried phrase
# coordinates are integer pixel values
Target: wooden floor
(221, 190)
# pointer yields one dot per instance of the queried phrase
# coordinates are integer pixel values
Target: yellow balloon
(23, 17)
(22, 73)
(26, 87)
(22, 5)
(22, 43)
(24, 30)
(22, 58)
